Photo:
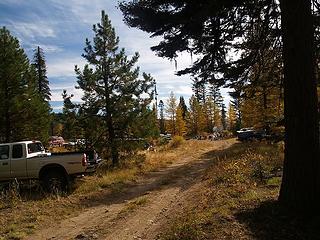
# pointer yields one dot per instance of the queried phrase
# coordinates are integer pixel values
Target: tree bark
(300, 189)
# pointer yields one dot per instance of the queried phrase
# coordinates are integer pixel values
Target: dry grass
(133, 205)
(22, 213)
(238, 200)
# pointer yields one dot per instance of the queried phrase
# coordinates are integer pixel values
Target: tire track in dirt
(141, 210)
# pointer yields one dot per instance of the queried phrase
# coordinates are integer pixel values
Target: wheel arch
(52, 167)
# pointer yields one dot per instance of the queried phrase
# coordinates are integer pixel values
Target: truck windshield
(35, 147)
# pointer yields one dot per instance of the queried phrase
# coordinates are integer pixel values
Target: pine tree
(35, 122)
(236, 103)
(214, 92)
(223, 116)
(162, 122)
(183, 107)
(41, 73)
(111, 85)
(199, 89)
(145, 125)
(14, 66)
(71, 126)
(209, 112)
(171, 108)
(24, 115)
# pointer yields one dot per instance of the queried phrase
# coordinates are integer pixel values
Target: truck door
(18, 161)
(4, 162)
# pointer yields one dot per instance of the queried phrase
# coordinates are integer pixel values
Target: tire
(55, 182)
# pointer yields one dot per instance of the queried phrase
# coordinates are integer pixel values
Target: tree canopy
(113, 88)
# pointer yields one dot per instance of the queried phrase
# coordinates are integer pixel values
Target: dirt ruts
(141, 210)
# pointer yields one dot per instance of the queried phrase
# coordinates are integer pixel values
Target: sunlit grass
(242, 177)
(21, 215)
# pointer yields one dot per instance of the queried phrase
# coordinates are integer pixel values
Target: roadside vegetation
(238, 200)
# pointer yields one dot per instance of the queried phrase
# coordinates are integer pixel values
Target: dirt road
(140, 211)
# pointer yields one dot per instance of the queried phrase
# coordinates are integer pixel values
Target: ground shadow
(269, 221)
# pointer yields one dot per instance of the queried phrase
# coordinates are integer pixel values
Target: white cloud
(184, 90)
(50, 48)
(30, 30)
(64, 67)
(57, 89)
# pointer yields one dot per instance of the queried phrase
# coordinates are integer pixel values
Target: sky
(60, 28)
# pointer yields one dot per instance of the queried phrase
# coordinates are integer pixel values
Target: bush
(176, 141)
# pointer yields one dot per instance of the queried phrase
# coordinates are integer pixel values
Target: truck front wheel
(55, 182)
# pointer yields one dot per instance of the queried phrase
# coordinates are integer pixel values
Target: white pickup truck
(29, 160)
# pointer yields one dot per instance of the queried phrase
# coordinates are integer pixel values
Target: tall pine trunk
(300, 189)
(110, 126)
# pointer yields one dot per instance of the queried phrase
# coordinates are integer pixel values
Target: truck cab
(13, 158)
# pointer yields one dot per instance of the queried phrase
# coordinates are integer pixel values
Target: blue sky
(60, 27)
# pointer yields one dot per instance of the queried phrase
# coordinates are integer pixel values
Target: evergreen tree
(223, 116)
(111, 85)
(183, 107)
(41, 74)
(171, 109)
(71, 128)
(214, 92)
(145, 125)
(217, 100)
(210, 113)
(236, 103)
(199, 89)
(14, 66)
(24, 115)
(35, 122)
(162, 123)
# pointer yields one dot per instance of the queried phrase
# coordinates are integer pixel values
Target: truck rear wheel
(55, 182)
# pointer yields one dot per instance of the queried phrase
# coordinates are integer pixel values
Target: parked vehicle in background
(166, 136)
(246, 134)
(56, 141)
(29, 160)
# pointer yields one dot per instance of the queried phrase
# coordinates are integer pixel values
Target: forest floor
(207, 190)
